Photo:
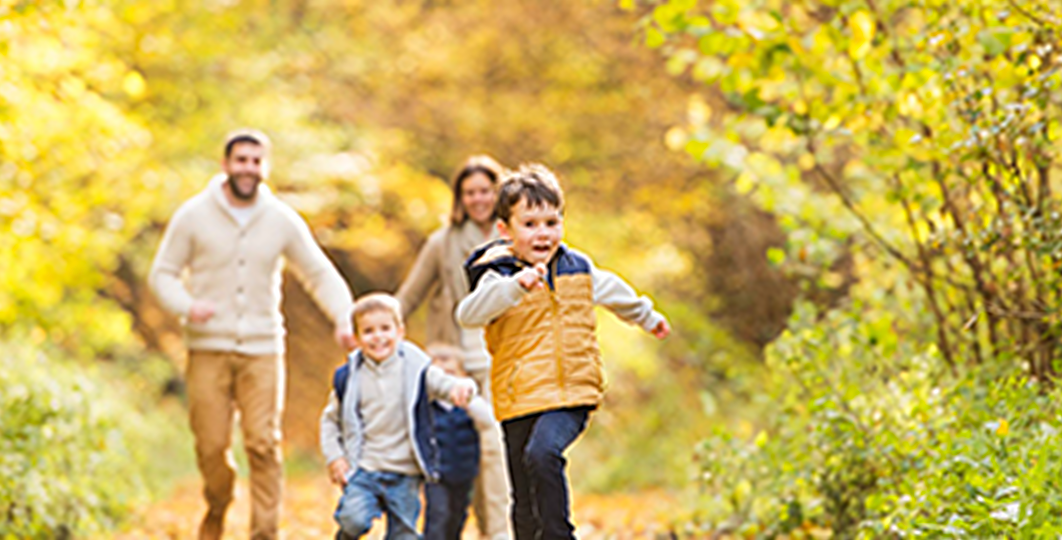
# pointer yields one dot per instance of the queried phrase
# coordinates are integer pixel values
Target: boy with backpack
(375, 430)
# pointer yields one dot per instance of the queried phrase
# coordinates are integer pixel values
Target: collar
(388, 363)
(217, 192)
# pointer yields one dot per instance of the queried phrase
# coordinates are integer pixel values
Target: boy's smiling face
(378, 334)
(535, 231)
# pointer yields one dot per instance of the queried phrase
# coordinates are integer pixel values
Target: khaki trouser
(490, 497)
(219, 384)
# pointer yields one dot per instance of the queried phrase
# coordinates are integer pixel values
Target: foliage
(867, 441)
(70, 155)
(76, 454)
(909, 151)
(927, 130)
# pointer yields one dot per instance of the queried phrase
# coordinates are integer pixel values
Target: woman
(438, 276)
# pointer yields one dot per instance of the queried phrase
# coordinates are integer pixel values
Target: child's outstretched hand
(338, 471)
(532, 278)
(461, 394)
(661, 330)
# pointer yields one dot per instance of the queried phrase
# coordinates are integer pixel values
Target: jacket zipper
(557, 334)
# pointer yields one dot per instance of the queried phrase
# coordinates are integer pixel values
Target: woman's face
(478, 197)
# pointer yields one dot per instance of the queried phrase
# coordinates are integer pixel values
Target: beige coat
(438, 276)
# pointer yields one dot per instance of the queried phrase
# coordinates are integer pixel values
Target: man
(231, 238)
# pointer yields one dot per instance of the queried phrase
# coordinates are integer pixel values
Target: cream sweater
(238, 269)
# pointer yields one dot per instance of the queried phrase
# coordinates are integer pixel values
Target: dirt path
(308, 504)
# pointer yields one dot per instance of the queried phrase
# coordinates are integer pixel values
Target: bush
(867, 438)
(77, 449)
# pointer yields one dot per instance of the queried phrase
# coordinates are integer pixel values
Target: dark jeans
(535, 445)
(445, 510)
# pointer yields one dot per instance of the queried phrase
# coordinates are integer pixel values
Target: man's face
(378, 334)
(244, 167)
(535, 231)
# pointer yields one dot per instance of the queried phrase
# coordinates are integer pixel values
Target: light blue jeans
(369, 494)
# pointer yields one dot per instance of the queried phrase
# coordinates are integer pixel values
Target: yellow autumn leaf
(676, 138)
(134, 85)
(1004, 427)
(744, 183)
(756, 23)
(761, 439)
(861, 25)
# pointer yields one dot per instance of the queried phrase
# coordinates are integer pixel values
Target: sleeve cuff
(654, 319)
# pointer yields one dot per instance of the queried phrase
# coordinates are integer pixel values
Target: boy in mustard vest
(536, 298)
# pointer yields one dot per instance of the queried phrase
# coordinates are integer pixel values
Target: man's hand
(532, 278)
(345, 338)
(661, 330)
(201, 311)
(461, 394)
(338, 471)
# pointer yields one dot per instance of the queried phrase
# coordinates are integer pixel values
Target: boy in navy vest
(536, 298)
(457, 433)
(375, 430)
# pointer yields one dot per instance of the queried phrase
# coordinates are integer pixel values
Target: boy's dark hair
(376, 302)
(482, 164)
(252, 136)
(532, 183)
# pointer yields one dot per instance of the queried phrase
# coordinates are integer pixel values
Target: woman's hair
(482, 164)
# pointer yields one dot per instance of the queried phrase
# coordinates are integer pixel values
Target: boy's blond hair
(532, 183)
(445, 350)
(376, 302)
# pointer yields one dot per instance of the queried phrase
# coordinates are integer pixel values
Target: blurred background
(113, 113)
(848, 210)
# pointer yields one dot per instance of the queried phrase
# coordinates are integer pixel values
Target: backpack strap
(339, 382)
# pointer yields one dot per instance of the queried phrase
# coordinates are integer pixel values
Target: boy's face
(535, 232)
(448, 363)
(379, 334)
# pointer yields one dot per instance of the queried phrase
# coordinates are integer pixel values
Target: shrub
(868, 438)
(78, 451)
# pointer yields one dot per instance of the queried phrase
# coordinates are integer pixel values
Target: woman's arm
(423, 275)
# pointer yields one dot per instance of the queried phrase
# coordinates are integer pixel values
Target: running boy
(375, 434)
(536, 298)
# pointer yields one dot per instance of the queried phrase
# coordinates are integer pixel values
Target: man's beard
(235, 189)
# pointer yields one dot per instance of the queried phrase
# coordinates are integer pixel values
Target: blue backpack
(339, 382)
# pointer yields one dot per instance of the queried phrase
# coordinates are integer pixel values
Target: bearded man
(232, 239)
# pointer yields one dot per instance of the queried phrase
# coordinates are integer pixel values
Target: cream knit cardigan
(238, 269)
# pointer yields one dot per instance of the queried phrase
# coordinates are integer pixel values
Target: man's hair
(376, 302)
(482, 164)
(244, 135)
(532, 183)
